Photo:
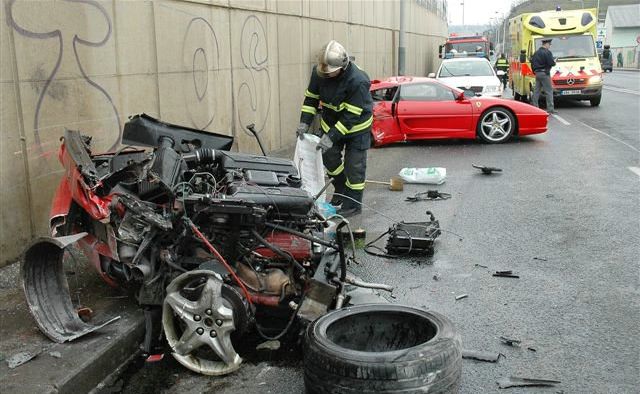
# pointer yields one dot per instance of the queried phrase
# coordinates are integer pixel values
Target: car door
(430, 110)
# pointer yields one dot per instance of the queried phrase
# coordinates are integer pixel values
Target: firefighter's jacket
(347, 107)
(502, 64)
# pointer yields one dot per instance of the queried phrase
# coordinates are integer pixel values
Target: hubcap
(496, 125)
(195, 332)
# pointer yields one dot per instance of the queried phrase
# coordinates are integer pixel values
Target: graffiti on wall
(200, 53)
(47, 92)
(254, 52)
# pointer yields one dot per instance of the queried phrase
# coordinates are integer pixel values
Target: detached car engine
(215, 244)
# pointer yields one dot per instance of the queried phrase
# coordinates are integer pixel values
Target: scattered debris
(428, 195)
(461, 296)
(436, 277)
(55, 354)
(154, 358)
(510, 341)
(429, 175)
(481, 356)
(540, 258)
(514, 381)
(480, 265)
(532, 349)
(487, 170)
(506, 274)
(85, 314)
(269, 345)
(20, 358)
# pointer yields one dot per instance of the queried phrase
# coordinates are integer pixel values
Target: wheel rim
(496, 125)
(206, 323)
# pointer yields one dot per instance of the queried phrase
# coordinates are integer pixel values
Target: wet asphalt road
(564, 215)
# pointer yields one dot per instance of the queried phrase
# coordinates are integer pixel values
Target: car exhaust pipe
(47, 291)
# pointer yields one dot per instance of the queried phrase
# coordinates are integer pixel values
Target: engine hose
(277, 250)
(215, 252)
(285, 329)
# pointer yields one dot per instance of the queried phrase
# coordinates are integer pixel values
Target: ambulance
(577, 74)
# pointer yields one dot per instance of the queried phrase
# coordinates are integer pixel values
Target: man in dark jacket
(342, 90)
(541, 63)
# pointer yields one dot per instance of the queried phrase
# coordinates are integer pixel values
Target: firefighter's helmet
(331, 59)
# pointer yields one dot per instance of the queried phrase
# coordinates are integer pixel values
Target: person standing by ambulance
(541, 63)
(342, 90)
(503, 65)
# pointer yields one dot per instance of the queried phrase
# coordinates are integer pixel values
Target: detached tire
(382, 348)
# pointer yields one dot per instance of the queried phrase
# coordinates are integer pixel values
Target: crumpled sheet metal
(47, 291)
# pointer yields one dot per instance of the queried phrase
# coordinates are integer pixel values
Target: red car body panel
(407, 120)
(72, 188)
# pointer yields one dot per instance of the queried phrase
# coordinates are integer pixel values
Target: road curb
(83, 364)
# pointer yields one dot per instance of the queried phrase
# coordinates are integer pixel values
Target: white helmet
(332, 58)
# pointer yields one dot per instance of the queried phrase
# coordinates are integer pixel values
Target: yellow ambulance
(577, 74)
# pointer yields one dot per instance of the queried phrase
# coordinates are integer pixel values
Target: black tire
(485, 130)
(351, 351)
(595, 101)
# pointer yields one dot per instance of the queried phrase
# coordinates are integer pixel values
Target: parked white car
(470, 73)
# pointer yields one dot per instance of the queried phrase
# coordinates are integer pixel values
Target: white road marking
(610, 136)
(636, 170)
(561, 120)
(621, 90)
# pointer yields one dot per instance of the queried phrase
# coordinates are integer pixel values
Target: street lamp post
(462, 4)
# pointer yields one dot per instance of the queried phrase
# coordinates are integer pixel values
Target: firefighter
(503, 65)
(342, 90)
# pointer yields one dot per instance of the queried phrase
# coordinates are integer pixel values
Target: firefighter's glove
(325, 143)
(302, 129)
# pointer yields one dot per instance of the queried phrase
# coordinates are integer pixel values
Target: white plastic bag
(308, 160)
(429, 175)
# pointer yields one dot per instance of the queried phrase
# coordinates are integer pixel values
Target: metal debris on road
(480, 265)
(505, 274)
(436, 277)
(461, 296)
(510, 341)
(540, 258)
(532, 349)
(487, 170)
(20, 358)
(55, 354)
(481, 356)
(514, 381)
(428, 196)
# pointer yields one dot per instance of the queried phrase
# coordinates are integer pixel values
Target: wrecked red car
(218, 245)
(412, 108)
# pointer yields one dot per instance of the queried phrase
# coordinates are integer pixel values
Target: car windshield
(570, 46)
(469, 47)
(466, 69)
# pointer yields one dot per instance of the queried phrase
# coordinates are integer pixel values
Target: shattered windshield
(570, 46)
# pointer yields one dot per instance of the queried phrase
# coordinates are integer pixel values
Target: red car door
(430, 110)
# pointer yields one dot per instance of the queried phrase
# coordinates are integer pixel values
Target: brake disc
(193, 327)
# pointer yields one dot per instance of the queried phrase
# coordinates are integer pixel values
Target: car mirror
(431, 75)
(500, 73)
(465, 94)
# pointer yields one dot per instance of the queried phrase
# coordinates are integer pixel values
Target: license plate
(569, 92)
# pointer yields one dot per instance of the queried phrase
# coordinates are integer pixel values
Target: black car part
(408, 238)
(382, 348)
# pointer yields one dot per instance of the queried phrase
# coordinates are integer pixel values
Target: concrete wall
(216, 65)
